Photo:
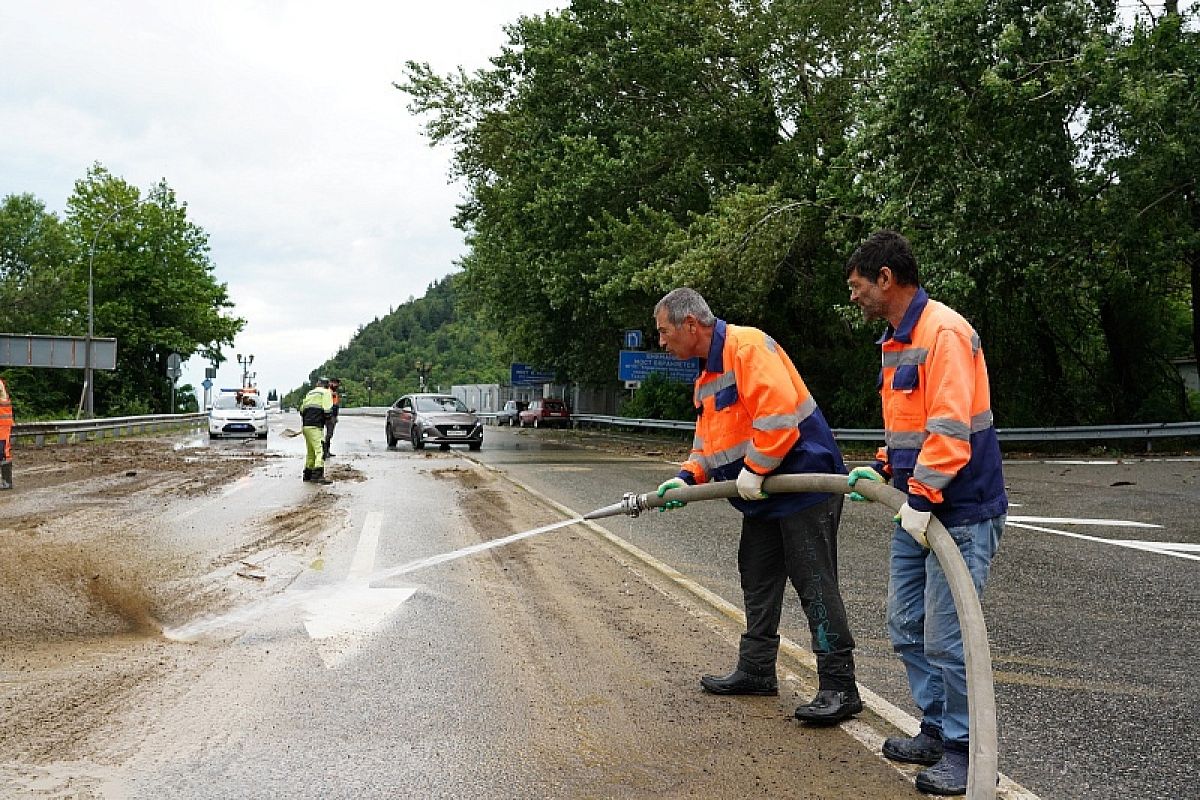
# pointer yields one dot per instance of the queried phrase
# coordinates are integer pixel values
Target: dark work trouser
(802, 547)
(330, 424)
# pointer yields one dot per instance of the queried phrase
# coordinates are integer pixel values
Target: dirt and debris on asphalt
(599, 657)
(87, 580)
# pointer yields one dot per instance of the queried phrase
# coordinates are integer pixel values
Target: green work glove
(674, 483)
(862, 472)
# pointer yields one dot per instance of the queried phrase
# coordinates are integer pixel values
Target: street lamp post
(367, 383)
(423, 368)
(245, 362)
(88, 403)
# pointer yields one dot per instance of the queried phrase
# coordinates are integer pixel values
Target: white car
(237, 414)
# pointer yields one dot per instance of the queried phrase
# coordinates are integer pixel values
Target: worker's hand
(915, 523)
(674, 483)
(749, 485)
(862, 472)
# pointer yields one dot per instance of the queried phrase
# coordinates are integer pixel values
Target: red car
(546, 412)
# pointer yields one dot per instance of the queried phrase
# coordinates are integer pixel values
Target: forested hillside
(433, 335)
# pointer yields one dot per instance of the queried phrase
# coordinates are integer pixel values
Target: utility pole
(245, 362)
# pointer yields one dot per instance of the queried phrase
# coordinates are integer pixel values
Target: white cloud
(277, 123)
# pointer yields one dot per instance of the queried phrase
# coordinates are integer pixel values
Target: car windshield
(553, 405)
(436, 404)
(230, 402)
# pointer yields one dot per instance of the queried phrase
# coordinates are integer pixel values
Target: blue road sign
(633, 340)
(525, 375)
(207, 384)
(637, 365)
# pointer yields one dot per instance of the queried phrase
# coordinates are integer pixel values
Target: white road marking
(355, 608)
(368, 542)
(238, 485)
(1162, 548)
(1113, 523)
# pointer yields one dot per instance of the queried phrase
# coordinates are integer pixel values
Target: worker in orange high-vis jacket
(940, 447)
(757, 418)
(6, 426)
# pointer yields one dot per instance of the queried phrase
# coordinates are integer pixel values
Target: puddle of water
(281, 602)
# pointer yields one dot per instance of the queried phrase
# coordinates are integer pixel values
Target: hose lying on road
(981, 700)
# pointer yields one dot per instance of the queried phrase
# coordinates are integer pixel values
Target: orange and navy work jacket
(940, 443)
(6, 412)
(755, 412)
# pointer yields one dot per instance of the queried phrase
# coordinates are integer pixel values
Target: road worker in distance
(6, 426)
(314, 413)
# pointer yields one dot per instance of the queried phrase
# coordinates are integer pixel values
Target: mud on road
(604, 656)
(88, 579)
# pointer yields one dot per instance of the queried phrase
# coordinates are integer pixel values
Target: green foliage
(154, 287)
(1042, 161)
(660, 398)
(432, 334)
(153, 290)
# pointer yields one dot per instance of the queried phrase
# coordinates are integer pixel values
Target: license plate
(456, 433)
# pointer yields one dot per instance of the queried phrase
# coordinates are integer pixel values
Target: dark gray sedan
(440, 419)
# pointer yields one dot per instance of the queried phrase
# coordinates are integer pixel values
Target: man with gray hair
(756, 418)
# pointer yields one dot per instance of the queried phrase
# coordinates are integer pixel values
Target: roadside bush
(660, 398)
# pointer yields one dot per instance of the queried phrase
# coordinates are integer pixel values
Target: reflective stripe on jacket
(314, 410)
(755, 411)
(940, 443)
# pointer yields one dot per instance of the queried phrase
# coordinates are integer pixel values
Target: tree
(616, 150)
(1144, 133)
(154, 287)
(36, 296)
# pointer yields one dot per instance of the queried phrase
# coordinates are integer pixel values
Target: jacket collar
(714, 362)
(909, 321)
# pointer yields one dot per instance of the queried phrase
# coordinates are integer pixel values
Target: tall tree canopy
(1041, 158)
(153, 287)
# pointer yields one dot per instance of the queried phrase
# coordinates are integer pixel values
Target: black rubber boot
(6, 475)
(830, 706)
(924, 748)
(318, 476)
(738, 682)
(325, 449)
(307, 474)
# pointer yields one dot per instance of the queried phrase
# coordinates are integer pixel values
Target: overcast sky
(277, 123)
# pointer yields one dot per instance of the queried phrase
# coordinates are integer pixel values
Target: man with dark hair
(940, 447)
(335, 389)
(757, 418)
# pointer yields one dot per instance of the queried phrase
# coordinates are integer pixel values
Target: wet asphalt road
(1093, 645)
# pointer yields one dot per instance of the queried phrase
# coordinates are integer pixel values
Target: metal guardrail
(1082, 433)
(1155, 430)
(81, 430)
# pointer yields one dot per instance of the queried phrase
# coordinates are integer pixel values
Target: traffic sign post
(525, 375)
(637, 365)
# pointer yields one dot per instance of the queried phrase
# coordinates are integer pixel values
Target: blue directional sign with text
(637, 365)
(525, 375)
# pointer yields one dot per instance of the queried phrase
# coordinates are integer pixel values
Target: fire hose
(981, 700)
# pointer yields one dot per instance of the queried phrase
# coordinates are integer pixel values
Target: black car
(440, 419)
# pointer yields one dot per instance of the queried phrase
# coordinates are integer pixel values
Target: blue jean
(923, 624)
